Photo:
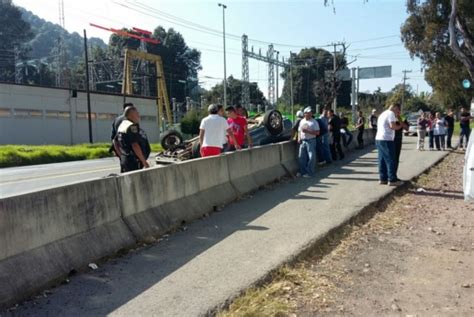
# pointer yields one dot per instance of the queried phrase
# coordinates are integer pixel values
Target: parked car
(412, 119)
(267, 128)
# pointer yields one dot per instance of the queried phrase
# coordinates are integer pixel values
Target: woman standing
(422, 125)
(439, 132)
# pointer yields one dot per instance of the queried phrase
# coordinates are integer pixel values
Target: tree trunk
(453, 41)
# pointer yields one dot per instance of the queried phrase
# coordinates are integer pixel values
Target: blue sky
(372, 29)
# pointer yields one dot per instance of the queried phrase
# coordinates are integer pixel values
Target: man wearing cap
(212, 133)
(308, 131)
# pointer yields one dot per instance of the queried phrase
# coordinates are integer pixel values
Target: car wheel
(171, 139)
(273, 121)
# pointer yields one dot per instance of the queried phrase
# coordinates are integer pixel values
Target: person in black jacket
(335, 129)
(449, 119)
(115, 124)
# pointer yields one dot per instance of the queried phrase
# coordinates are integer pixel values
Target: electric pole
(403, 88)
(335, 45)
(277, 75)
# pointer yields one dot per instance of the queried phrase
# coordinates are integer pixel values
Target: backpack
(323, 127)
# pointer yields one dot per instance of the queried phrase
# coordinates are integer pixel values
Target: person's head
(422, 115)
(127, 104)
(450, 111)
(463, 109)
(239, 110)
(361, 114)
(212, 109)
(374, 112)
(331, 113)
(308, 113)
(220, 110)
(395, 107)
(231, 112)
(131, 113)
(438, 115)
(432, 115)
(300, 114)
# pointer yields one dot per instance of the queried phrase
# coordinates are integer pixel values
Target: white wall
(37, 115)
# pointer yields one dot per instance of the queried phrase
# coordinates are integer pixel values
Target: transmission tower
(245, 73)
(271, 75)
(61, 58)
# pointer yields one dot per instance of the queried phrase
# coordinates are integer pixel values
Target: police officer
(131, 142)
(115, 125)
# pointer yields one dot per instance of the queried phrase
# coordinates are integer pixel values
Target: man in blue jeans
(387, 124)
(307, 132)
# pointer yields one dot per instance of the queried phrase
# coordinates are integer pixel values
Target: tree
(234, 93)
(311, 86)
(428, 34)
(14, 35)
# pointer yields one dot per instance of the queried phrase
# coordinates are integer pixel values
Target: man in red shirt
(238, 124)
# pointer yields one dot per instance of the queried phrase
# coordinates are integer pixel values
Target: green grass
(21, 155)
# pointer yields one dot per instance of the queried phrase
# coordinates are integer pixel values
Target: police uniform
(127, 134)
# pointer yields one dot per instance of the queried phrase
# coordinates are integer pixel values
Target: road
(214, 259)
(21, 180)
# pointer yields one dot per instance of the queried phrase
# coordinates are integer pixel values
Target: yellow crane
(162, 101)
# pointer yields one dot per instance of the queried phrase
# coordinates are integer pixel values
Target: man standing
(212, 133)
(238, 124)
(326, 144)
(308, 131)
(387, 124)
(295, 129)
(465, 124)
(360, 126)
(335, 129)
(373, 122)
(133, 149)
(399, 137)
(115, 124)
(449, 120)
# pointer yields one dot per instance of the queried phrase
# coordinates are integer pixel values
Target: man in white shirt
(387, 124)
(308, 130)
(212, 133)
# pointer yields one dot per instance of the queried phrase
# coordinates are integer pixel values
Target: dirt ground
(413, 258)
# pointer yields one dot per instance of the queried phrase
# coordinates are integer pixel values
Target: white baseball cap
(300, 114)
(307, 110)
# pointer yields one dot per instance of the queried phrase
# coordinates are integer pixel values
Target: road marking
(58, 175)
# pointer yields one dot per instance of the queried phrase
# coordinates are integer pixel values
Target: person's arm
(230, 133)
(201, 137)
(138, 152)
(116, 147)
(249, 138)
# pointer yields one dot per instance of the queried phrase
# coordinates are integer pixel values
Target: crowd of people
(440, 130)
(321, 138)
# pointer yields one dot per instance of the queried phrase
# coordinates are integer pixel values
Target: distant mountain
(44, 43)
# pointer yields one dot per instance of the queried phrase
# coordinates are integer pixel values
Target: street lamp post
(225, 66)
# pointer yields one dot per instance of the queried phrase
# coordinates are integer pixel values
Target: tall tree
(14, 34)
(234, 93)
(428, 34)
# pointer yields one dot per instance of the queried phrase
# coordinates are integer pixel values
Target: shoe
(396, 183)
(322, 163)
(383, 182)
(298, 175)
(307, 176)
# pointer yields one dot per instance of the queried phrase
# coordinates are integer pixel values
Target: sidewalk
(214, 259)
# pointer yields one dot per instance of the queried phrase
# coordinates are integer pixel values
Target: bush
(191, 122)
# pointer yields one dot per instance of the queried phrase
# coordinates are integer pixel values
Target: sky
(371, 29)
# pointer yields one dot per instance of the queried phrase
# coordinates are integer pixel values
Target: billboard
(375, 72)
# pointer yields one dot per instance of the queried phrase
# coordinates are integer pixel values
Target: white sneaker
(298, 174)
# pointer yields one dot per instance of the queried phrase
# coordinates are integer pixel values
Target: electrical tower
(61, 58)
(269, 59)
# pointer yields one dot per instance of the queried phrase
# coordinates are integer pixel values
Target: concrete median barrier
(160, 199)
(47, 234)
(44, 235)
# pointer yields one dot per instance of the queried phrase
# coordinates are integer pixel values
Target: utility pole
(403, 88)
(335, 45)
(291, 88)
(86, 57)
(225, 66)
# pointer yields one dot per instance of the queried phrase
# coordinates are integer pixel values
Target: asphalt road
(25, 179)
